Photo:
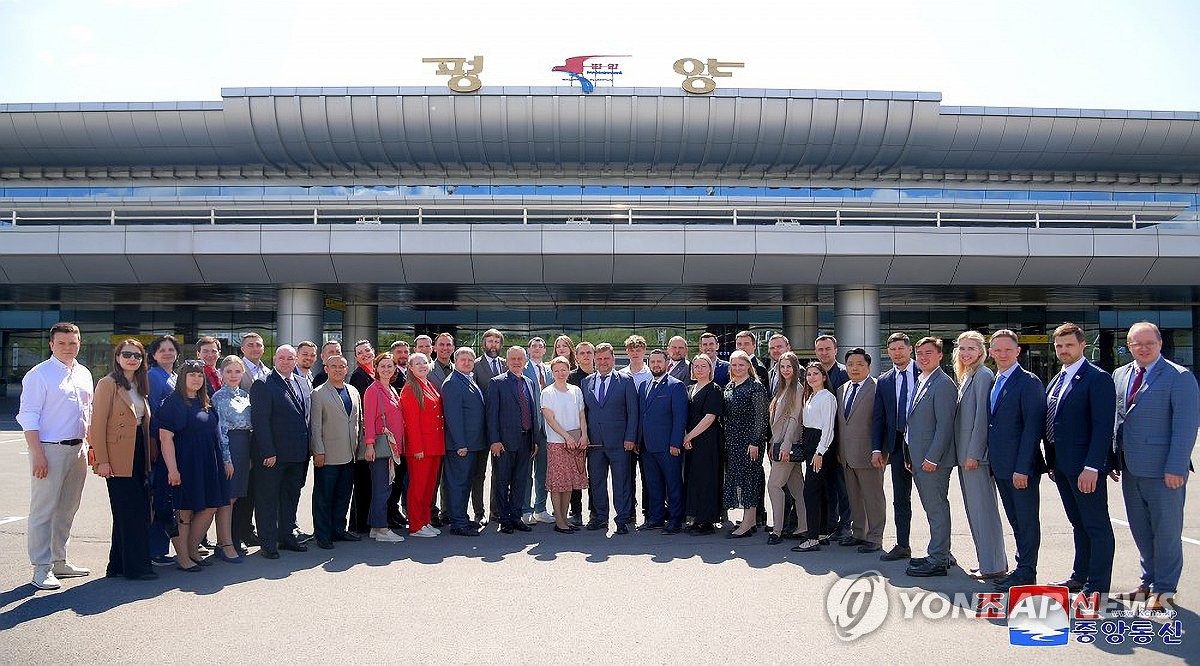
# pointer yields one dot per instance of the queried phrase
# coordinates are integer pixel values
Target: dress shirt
(470, 377)
(257, 371)
(56, 400)
(1065, 385)
(1001, 379)
(1133, 376)
(821, 412)
(906, 375)
(233, 413)
(606, 381)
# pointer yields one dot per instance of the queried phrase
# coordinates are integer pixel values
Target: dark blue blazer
(615, 421)
(663, 415)
(466, 416)
(281, 427)
(1015, 426)
(721, 373)
(886, 418)
(1083, 425)
(838, 376)
(504, 412)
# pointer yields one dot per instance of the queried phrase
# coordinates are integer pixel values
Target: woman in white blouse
(566, 442)
(820, 410)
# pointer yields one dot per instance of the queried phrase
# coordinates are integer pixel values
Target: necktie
(902, 409)
(1137, 384)
(996, 390)
(523, 401)
(1052, 405)
(850, 401)
(495, 365)
(603, 388)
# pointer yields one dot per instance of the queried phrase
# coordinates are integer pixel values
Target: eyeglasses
(135, 355)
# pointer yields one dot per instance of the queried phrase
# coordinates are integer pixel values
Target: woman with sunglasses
(120, 440)
(191, 454)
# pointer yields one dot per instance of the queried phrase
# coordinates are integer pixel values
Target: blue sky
(1124, 55)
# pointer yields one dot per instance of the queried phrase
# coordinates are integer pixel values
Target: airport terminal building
(380, 213)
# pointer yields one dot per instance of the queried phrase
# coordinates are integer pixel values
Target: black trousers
(331, 499)
(276, 497)
(241, 523)
(478, 473)
(360, 503)
(816, 497)
(902, 485)
(837, 500)
(129, 499)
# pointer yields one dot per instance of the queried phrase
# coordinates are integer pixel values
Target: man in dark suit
(441, 363)
(466, 439)
(931, 454)
(490, 364)
(709, 347)
(611, 402)
(1081, 404)
(838, 513)
(663, 417)
(281, 437)
(746, 342)
(679, 366)
(1016, 419)
(330, 349)
(894, 394)
(515, 432)
(1158, 404)
(361, 378)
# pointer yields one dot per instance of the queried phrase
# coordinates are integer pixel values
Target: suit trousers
(457, 471)
(1022, 508)
(1094, 541)
(332, 486)
(511, 473)
(662, 479)
(601, 461)
(838, 513)
(934, 490)
(814, 500)
(535, 502)
(53, 502)
(1155, 514)
(422, 487)
(864, 488)
(979, 499)
(129, 500)
(276, 498)
(902, 484)
(360, 503)
(478, 474)
(789, 475)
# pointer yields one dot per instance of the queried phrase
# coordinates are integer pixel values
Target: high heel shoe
(225, 558)
(563, 530)
(202, 561)
(743, 535)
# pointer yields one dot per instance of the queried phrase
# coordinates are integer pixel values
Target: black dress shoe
(302, 537)
(672, 529)
(467, 532)
(397, 521)
(927, 570)
(324, 545)
(472, 525)
(195, 568)
(346, 536)
(597, 525)
(293, 545)
(521, 527)
(1071, 584)
(269, 554)
(252, 540)
(794, 535)
(896, 553)
(505, 528)
(561, 530)
(149, 575)
(622, 528)
(1003, 584)
(807, 546)
(868, 547)
(436, 521)
(705, 529)
(646, 527)
(850, 541)
(774, 539)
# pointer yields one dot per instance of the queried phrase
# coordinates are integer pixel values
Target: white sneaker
(425, 533)
(527, 519)
(388, 536)
(43, 578)
(64, 569)
(544, 517)
(435, 530)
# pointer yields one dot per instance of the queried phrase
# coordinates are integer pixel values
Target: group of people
(230, 439)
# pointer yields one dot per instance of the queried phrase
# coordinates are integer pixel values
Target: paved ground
(539, 597)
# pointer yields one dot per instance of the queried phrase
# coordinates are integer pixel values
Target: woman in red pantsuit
(425, 443)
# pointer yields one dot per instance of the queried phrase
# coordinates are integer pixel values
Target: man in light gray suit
(862, 462)
(680, 368)
(929, 442)
(337, 435)
(1158, 406)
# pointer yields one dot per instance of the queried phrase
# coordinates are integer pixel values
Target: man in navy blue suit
(1081, 406)
(1017, 416)
(466, 438)
(1158, 404)
(611, 402)
(281, 434)
(663, 415)
(513, 404)
(893, 397)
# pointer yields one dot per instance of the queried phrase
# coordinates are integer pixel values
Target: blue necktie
(996, 390)
(603, 385)
(902, 410)
(850, 401)
(1052, 405)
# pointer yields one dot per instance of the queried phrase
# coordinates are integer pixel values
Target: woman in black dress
(702, 443)
(745, 436)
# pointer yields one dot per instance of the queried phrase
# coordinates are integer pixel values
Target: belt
(67, 442)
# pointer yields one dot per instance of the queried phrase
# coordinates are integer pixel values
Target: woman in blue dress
(191, 455)
(163, 352)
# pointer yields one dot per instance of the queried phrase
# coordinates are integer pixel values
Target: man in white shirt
(539, 373)
(55, 412)
(252, 353)
(895, 390)
(635, 349)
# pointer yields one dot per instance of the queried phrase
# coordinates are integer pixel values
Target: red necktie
(1137, 384)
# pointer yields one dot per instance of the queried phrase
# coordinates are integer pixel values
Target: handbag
(383, 447)
(795, 453)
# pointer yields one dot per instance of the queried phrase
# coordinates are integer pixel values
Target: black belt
(67, 442)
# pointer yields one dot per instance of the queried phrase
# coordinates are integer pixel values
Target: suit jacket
(335, 433)
(437, 374)
(856, 435)
(112, 434)
(838, 376)
(683, 371)
(361, 380)
(1015, 426)
(483, 371)
(931, 422)
(1084, 422)
(424, 427)
(760, 369)
(504, 412)
(663, 415)
(247, 378)
(721, 372)
(466, 416)
(614, 421)
(401, 377)
(280, 423)
(1157, 432)
(971, 418)
(885, 411)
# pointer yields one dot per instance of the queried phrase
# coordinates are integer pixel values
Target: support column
(856, 319)
(800, 315)
(361, 319)
(300, 312)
